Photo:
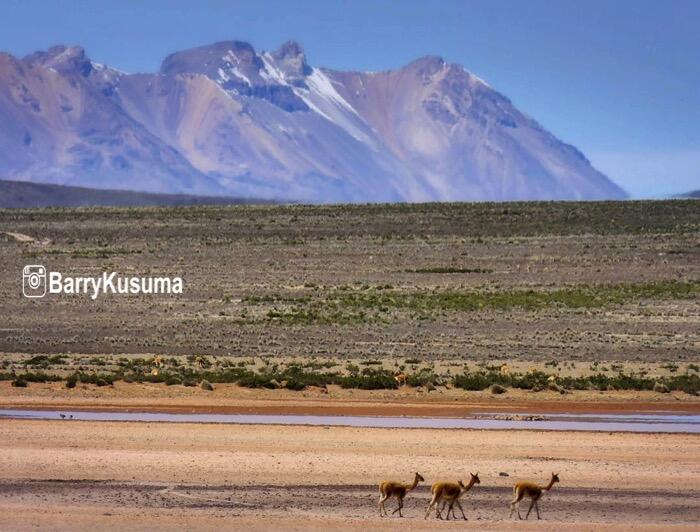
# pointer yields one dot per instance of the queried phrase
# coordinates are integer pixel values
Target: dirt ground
(274, 281)
(230, 398)
(75, 475)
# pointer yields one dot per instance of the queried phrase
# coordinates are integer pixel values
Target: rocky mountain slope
(224, 119)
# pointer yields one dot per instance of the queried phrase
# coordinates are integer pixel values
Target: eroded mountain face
(225, 119)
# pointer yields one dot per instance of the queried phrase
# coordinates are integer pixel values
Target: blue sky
(619, 79)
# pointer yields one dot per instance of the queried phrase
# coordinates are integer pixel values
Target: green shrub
(684, 383)
(473, 381)
(39, 376)
(424, 377)
(497, 389)
(660, 387)
(448, 269)
(294, 385)
(533, 380)
(99, 379)
(370, 379)
(251, 379)
(298, 379)
(71, 381)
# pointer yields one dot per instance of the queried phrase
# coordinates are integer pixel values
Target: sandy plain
(76, 475)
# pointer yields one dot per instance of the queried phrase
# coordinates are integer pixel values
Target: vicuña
(533, 491)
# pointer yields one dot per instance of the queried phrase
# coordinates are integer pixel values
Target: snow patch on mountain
(325, 100)
(271, 72)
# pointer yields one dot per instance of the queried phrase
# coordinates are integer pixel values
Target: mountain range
(227, 120)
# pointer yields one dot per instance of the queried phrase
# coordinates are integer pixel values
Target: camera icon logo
(34, 281)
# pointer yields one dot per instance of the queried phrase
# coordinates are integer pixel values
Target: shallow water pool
(647, 422)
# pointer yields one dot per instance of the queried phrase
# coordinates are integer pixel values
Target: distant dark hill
(693, 194)
(17, 194)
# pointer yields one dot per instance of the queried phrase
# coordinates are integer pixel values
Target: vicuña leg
(515, 505)
(514, 502)
(460, 509)
(382, 498)
(530, 508)
(433, 502)
(438, 511)
(398, 509)
(537, 509)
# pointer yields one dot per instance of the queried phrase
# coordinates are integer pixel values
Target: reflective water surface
(647, 422)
